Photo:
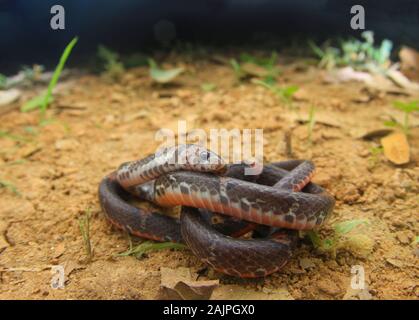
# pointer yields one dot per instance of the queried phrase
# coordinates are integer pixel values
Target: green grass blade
(35, 103)
(163, 76)
(146, 246)
(57, 73)
(347, 226)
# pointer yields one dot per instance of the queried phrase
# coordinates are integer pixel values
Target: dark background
(140, 25)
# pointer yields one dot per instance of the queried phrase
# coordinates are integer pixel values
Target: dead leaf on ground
(378, 133)
(235, 292)
(70, 266)
(59, 250)
(9, 96)
(396, 148)
(395, 262)
(347, 74)
(179, 284)
(402, 81)
(409, 63)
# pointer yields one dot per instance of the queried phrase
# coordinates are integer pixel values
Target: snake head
(124, 165)
(204, 160)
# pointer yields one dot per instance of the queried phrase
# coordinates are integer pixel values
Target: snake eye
(205, 156)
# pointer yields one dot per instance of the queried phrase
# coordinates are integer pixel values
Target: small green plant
(359, 54)
(251, 66)
(285, 93)
(375, 152)
(407, 108)
(3, 81)
(267, 63)
(310, 123)
(161, 75)
(10, 186)
(146, 246)
(340, 230)
(134, 60)
(207, 87)
(238, 72)
(44, 100)
(5, 134)
(84, 225)
(112, 64)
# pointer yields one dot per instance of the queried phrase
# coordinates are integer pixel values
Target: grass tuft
(113, 66)
(10, 186)
(407, 108)
(341, 237)
(146, 246)
(44, 100)
(310, 124)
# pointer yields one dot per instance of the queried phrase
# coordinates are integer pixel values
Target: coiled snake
(219, 203)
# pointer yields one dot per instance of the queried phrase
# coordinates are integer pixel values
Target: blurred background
(140, 25)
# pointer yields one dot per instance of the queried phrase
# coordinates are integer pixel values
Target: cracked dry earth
(98, 125)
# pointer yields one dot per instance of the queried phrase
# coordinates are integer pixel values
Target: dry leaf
(379, 133)
(401, 80)
(9, 96)
(70, 266)
(396, 148)
(348, 74)
(178, 284)
(59, 250)
(409, 63)
(395, 262)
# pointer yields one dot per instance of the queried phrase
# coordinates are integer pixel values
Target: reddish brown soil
(99, 124)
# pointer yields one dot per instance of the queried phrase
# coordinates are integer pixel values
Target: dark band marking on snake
(281, 196)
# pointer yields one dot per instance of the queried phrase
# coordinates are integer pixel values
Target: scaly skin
(272, 198)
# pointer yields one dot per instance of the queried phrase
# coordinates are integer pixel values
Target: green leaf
(288, 92)
(3, 81)
(207, 87)
(57, 73)
(11, 136)
(35, 103)
(106, 54)
(10, 186)
(146, 246)
(316, 49)
(163, 76)
(237, 69)
(346, 226)
(314, 238)
(407, 107)
(391, 123)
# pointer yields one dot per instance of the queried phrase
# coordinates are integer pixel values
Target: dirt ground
(100, 124)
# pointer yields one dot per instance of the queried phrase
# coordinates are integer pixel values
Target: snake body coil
(281, 196)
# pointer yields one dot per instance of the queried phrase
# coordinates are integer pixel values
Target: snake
(239, 224)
